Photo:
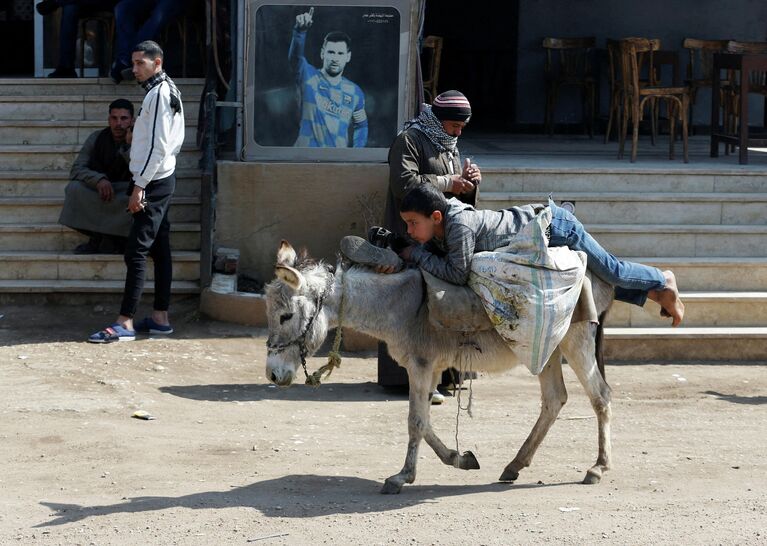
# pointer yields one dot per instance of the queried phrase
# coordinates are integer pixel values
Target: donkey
(303, 302)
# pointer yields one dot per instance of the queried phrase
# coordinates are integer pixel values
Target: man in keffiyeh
(425, 152)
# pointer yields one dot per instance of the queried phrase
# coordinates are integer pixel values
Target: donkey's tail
(600, 345)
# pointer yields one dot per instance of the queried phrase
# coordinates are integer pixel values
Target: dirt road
(231, 460)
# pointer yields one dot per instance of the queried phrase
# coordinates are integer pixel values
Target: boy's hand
(459, 185)
(407, 253)
(385, 269)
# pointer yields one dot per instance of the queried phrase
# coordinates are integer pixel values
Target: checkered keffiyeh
(428, 124)
(175, 94)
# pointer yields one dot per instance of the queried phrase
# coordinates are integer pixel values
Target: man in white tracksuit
(156, 139)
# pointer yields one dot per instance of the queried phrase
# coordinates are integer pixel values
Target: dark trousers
(139, 20)
(150, 235)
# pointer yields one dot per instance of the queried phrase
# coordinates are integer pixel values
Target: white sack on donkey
(530, 291)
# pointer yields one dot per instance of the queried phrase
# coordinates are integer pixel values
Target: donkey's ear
(285, 254)
(290, 276)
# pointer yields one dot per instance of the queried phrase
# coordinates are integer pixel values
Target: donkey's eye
(286, 317)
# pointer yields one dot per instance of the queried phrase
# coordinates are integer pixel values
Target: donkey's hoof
(593, 476)
(468, 461)
(509, 475)
(390, 487)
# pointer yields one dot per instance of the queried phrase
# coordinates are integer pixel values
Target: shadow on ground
(51, 323)
(335, 392)
(294, 496)
(737, 399)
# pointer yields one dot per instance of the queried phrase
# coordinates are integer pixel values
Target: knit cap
(451, 106)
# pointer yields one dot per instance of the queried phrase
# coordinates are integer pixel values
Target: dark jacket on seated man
(87, 208)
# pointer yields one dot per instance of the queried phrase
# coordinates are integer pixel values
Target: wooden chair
(701, 65)
(571, 67)
(106, 20)
(636, 95)
(431, 53)
(616, 87)
(757, 82)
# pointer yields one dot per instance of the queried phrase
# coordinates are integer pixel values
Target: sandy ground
(232, 460)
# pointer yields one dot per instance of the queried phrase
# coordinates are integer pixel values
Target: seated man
(458, 231)
(95, 200)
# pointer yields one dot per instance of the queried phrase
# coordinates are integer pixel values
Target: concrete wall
(309, 204)
(672, 22)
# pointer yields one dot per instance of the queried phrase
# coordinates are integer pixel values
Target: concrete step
(723, 344)
(86, 287)
(191, 88)
(647, 208)
(648, 181)
(702, 309)
(18, 210)
(714, 274)
(60, 157)
(55, 266)
(73, 107)
(37, 132)
(54, 237)
(681, 240)
(52, 183)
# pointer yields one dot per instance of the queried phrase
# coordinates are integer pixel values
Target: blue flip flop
(148, 326)
(113, 333)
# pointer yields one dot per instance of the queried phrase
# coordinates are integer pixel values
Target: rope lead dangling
(334, 355)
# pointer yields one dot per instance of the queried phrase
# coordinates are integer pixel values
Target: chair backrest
(634, 53)
(757, 79)
(431, 53)
(733, 46)
(573, 58)
(701, 65)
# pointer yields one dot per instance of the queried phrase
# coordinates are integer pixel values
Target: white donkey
(303, 303)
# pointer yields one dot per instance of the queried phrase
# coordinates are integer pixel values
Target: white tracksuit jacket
(158, 134)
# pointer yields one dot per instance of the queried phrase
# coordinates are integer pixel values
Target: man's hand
(459, 185)
(105, 189)
(304, 20)
(129, 135)
(471, 172)
(407, 253)
(135, 202)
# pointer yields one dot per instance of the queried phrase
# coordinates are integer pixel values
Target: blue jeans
(152, 15)
(632, 281)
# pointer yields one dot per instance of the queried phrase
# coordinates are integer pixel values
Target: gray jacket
(468, 231)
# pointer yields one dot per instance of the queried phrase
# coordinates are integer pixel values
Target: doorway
(479, 57)
(17, 38)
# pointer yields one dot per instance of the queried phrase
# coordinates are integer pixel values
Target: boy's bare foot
(669, 300)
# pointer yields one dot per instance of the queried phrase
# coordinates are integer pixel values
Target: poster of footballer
(325, 76)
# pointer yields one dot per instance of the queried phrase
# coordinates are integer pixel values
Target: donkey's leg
(465, 461)
(419, 376)
(553, 397)
(578, 347)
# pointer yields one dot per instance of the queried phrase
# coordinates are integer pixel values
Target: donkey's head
(294, 309)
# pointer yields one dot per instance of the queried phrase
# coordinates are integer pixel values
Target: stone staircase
(709, 225)
(43, 124)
